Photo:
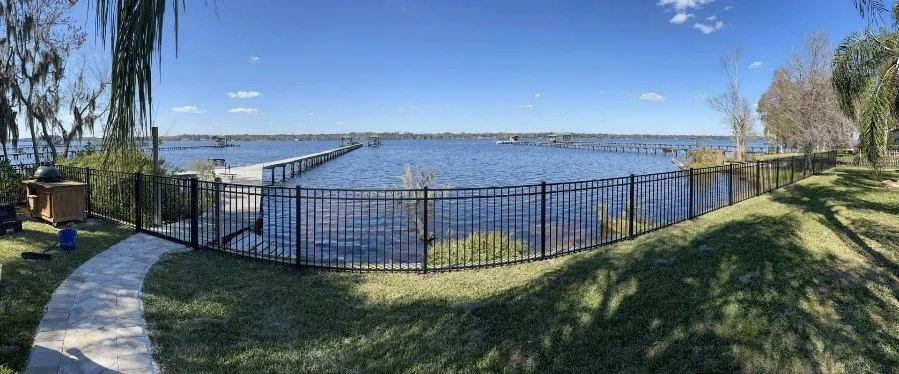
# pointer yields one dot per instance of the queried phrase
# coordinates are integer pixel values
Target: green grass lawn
(824, 298)
(27, 285)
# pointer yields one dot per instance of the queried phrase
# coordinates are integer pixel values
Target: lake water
(358, 228)
(457, 163)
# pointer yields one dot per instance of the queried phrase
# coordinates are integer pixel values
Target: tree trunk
(49, 139)
(35, 142)
(65, 148)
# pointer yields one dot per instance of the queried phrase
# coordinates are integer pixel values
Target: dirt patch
(890, 183)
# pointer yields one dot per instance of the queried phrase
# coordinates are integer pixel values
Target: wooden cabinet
(56, 202)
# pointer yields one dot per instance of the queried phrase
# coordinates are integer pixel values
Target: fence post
(730, 184)
(691, 211)
(630, 209)
(758, 177)
(425, 226)
(792, 169)
(814, 163)
(543, 219)
(90, 188)
(194, 214)
(137, 203)
(776, 173)
(297, 228)
(217, 202)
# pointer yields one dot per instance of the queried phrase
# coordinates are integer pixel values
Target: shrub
(205, 170)
(112, 187)
(11, 189)
(705, 157)
(416, 180)
(617, 225)
(478, 247)
(132, 161)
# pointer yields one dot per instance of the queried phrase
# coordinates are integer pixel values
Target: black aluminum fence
(856, 159)
(426, 229)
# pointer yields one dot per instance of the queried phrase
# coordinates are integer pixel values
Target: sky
(599, 66)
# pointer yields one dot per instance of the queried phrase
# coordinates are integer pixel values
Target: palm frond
(857, 60)
(877, 117)
(870, 8)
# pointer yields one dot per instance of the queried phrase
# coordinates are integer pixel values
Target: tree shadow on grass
(829, 204)
(762, 296)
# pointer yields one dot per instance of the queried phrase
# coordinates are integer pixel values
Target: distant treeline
(359, 136)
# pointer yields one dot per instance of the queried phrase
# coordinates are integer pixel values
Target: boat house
(562, 137)
(219, 141)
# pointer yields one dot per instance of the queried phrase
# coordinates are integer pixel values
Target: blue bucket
(67, 239)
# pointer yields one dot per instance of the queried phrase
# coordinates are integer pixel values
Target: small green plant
(474, 248)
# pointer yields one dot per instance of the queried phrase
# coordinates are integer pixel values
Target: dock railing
(300, 165)
(429, 229)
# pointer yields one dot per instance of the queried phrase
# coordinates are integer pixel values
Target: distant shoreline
(360, 136)
(432, 136)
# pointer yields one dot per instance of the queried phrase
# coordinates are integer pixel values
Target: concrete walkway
(94, 322)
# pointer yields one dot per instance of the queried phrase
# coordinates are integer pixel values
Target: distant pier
(645, 148)
(196, 147)
(270, 173)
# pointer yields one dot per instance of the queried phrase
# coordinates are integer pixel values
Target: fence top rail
(552, 187)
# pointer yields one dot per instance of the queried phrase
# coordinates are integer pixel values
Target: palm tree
(134, 29)
(865, 69)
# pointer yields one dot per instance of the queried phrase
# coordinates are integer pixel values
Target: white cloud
(527, 106)
(701, 96)
(680, 18)
(708, 28)
(243, 94)
(187, 109)
(684, 4)
(254, 59)
(311, 114)
(755, 65)
(537, 95)
(711, 18)
(652, 96)
(216, 124)
(729, 7)
(244, 110)
(301, 125)
(340, 122)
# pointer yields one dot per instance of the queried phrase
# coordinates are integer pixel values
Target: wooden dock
(270, 173)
